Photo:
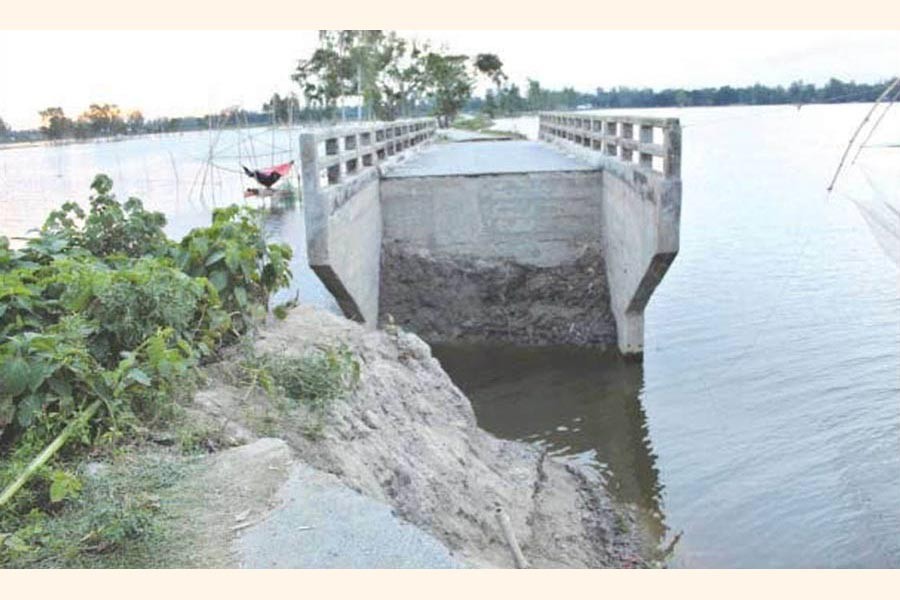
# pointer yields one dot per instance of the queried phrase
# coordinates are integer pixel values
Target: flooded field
(764, 422)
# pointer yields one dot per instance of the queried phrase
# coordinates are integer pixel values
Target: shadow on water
(580, 404)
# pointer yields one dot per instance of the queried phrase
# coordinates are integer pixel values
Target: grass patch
(120, 516)
(306, 385)
(510, 134)
(476, 123)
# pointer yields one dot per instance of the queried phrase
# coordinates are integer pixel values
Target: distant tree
(135, 122)
(55, 124)
(5, 130)
(491, 67)
(725, 95)
(537, 97)
(388, 75)
(335, 68)
(394, 81)
(490, 106)
(284, 108)
(103, 119)
(447, 84)
(510, 101)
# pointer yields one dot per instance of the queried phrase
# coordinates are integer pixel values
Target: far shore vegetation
(374, 74)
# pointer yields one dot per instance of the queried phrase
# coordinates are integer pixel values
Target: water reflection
(578, 403)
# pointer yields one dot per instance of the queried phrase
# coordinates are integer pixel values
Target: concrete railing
(640, 158)
(335, 155)
(341, 197)
(650, 143)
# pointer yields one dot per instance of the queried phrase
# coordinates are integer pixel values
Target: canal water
(764, 423)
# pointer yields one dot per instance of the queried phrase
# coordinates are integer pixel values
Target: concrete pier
(559, 241)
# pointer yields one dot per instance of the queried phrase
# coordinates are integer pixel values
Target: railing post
(646, 160)
(672, 146)
(315, 212)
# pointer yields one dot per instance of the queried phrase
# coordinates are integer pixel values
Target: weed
(116, 519)
(311, 382)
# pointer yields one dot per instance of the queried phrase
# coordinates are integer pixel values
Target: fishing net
(872, 180)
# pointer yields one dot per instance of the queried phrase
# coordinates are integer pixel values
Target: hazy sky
(179, 73)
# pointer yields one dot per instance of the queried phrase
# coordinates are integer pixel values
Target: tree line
(509, 99)
(376, 74)
(108, 120)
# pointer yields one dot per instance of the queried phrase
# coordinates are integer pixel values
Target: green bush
(102, 306)
(110, 228)
(233, 255)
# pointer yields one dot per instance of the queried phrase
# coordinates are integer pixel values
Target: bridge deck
(483, 158)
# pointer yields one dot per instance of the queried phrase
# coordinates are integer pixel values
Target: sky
(176, 73)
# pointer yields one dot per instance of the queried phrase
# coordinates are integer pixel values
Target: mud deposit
(457, 298)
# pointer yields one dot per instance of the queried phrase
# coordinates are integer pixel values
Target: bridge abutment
(511, 242)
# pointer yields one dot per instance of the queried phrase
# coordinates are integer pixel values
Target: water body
(170, 174)
(764, 422)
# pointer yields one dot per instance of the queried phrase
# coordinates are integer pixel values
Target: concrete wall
(343, 233)
(541, 219)
(641, 215)
(513, 258)
(641, 207)
(342, 208)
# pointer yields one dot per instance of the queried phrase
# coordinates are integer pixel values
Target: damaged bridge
(557, 241)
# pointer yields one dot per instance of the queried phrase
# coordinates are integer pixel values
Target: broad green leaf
(219, 279)
(232, 257)
(28, 409)
(64, 485)
(241, 295)
(140, 377)
(214, 258)
(14, 375)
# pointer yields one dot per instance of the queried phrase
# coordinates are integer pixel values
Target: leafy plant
(233, 255)
(109, 228)
(64, 485)
(103, 320)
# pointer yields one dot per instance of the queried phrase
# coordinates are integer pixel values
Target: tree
(388, 75)
(537, 99)
(5, 130)
(447, 84)
(284, 109)
(490, 107)
(380, 69)
(135, 122)
(397, 78)
(725, 95)
(491, 67)
(339, 66)
(103, 119)
(55, 124)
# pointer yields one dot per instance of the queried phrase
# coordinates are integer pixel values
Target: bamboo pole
(48, 453)
(874, 127)
(510, 536)
(862, 124)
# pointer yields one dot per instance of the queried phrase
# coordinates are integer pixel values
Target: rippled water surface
(764, 422)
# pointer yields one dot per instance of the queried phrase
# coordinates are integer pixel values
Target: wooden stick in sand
(506, 528)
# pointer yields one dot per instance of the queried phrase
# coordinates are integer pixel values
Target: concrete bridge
(557, 241)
